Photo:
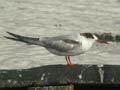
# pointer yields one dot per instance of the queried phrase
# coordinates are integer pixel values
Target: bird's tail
(28, 40)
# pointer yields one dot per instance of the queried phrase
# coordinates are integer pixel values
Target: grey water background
(40, 18)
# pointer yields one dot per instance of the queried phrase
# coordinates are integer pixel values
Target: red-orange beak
(101, 41)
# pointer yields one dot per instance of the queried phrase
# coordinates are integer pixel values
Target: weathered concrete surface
(67, 87)
(60, 75)
(50, 75)
(112, 74)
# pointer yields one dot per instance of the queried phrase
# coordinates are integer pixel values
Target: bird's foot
(71, 64)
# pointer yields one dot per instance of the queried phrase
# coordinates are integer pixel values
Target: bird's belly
(66, 53)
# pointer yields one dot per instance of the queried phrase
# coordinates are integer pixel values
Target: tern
(63, 45)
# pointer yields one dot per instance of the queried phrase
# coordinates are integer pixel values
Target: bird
(62, 45)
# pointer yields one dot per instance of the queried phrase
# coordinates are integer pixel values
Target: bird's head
(93, 37)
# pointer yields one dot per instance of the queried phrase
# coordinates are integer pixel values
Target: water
(39, 18)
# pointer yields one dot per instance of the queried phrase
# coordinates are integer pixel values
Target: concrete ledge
(60, 75)
(50, 75)
(67, 87)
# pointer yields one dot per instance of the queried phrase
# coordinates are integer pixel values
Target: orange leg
(67, 58)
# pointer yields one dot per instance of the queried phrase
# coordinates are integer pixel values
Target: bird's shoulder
(70, 38)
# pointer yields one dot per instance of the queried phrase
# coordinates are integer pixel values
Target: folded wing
(61, 44)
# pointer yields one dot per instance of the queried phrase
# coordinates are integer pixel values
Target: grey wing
(61, 43)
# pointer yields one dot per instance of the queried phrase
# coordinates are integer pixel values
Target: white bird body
(64, 45)
(68, 45)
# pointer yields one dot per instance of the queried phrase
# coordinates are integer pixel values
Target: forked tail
(28, 40)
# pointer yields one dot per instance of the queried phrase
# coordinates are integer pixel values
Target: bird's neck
(87, 44)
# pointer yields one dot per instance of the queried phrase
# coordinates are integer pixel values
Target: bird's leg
(66, 58)
(68, 61)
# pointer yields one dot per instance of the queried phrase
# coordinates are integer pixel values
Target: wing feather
(61, 44)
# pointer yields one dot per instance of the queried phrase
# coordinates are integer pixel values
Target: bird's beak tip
(101, 41)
